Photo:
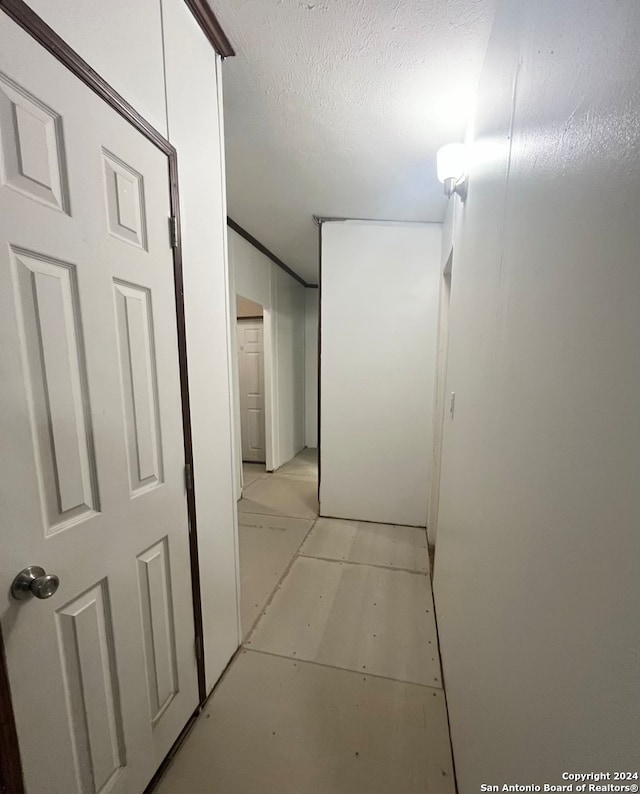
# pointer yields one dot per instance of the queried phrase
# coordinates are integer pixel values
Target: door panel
(157, 619)
(103, 673)
(126, 216)
(139, 385)
(46, 303)
(251, 378)
(33, 146)
(85, 629)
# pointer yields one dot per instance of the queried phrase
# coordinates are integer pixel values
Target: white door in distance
(251, 375)
(103, 672)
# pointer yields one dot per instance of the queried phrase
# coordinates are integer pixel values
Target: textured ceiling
(337, 108)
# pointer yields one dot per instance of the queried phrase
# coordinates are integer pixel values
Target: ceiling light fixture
(451, 167)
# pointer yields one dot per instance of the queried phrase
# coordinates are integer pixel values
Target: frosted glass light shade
(451, 161)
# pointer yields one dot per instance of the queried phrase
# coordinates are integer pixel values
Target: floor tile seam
(312, 521)
(295, 658)
(292, 475)
(364, 564)
(379, 523)
(309, 661)
(287, 478)
(363, 674)
(290, 472)
(276, 587)
(277, 515)
(282, 478)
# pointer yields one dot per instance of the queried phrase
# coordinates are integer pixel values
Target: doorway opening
(277, 508)
(253, 405)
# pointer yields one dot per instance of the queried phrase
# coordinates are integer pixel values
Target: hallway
(337, 688)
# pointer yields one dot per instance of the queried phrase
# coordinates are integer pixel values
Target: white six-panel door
(103, 673)
(251, 377)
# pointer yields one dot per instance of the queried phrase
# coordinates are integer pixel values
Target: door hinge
(188, 476)
(173, 231)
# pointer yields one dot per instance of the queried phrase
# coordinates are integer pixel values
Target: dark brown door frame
(211, 28)
(10, 766)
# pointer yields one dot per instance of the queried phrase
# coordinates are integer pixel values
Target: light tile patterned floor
(358, 617)
(252, 472)
(374, 544)
(283, 496)
(267, 546)
(355, 601)
(277, 726)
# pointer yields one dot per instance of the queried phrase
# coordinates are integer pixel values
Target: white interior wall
(441, 398)
(290, 364)
(380, 287)
(311, 368)
(247, 308)
(256, 277)
(124, 43)
(195, 129)
(536, 574)
(251, 279)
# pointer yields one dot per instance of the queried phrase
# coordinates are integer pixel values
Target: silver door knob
(34, 581)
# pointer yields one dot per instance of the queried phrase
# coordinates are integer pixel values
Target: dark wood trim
(186, 424)
(264, 250)
(166, 761)
(319, 219)
(49, 39)
(199, 8)
(257, 317)
(10, 767)
(211, 28)
(187, 728)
